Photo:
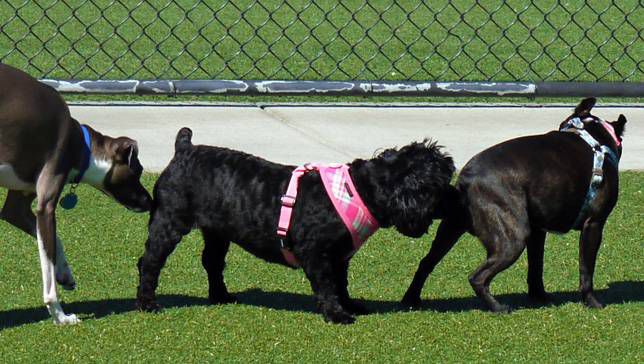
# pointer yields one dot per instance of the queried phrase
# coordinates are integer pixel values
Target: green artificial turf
(276, 319)
(442, 40)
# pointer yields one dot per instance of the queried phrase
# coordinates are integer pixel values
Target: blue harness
(70, 199)
(600, 152)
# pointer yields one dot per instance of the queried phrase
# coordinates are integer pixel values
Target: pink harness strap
(345, 198)
(609, 128)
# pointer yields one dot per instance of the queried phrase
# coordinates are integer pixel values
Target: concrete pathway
(299, 134)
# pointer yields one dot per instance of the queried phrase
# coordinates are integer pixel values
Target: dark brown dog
(41, 149)
(511, 194)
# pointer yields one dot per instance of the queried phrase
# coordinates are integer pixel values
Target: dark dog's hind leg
(213, 260)
(504, 232)
(589, 241)
(536, 290)
(325, 283)
(447, 235)
(164, 234)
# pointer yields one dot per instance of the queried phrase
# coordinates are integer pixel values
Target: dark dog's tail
(183, 141)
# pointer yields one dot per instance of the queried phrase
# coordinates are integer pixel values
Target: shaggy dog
(234, 196)
(509, 195)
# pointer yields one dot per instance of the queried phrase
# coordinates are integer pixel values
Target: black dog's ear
(619, 125)
(585, 106)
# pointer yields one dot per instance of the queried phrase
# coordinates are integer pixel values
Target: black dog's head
(405, 185)
(597, 127)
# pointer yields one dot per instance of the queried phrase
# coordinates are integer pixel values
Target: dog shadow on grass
(616, 293)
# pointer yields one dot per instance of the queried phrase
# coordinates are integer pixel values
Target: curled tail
(183, 141)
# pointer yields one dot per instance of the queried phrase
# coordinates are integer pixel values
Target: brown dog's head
(115, 170)
(605, 132)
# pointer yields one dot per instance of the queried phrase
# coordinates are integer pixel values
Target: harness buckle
(598, 172)
(288, 201)
(281, 232)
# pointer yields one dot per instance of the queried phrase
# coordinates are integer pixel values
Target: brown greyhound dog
(42, 148)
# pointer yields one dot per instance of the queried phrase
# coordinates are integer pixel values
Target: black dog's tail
(183, 141)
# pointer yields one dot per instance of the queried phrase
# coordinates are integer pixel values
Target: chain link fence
(485, 40)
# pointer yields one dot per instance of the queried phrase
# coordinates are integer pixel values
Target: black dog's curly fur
(234, 196)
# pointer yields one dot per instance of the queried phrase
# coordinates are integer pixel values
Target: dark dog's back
(523, 171)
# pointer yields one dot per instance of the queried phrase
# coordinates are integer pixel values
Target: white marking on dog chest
(96, 172)
(10, 180)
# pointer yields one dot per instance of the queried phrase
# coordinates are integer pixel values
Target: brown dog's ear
(585, 106)
(126, 150)
(619, 125)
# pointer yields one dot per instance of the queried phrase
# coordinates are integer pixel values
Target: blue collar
(86, 154)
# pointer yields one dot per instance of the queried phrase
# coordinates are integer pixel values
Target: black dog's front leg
(325, 283)
(350, 305)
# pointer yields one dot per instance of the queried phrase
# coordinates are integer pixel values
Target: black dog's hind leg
(213, 260)
(536, 289)
(326, 285)
(350, 305)
(589, 241)
(447, 235)
(164, 233)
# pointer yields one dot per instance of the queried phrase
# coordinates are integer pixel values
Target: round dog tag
(69, 201)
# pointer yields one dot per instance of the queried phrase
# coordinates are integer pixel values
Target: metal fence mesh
(485, 40)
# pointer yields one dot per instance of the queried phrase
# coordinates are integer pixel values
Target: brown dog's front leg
(48, 189)
(17, 212)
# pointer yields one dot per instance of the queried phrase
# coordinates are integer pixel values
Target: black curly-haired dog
(234, 196)
(512, 193)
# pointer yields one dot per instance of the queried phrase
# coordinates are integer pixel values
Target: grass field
(276, 322)
(353, 39)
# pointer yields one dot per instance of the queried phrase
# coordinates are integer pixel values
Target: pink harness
(346, 200)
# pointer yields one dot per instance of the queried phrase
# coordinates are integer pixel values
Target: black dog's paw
(355, 307)
(339, 318)
(222, 298)
(412, 303)
(147, 306)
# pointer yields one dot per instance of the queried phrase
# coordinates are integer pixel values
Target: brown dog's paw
(592, 302)
(501, 309)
